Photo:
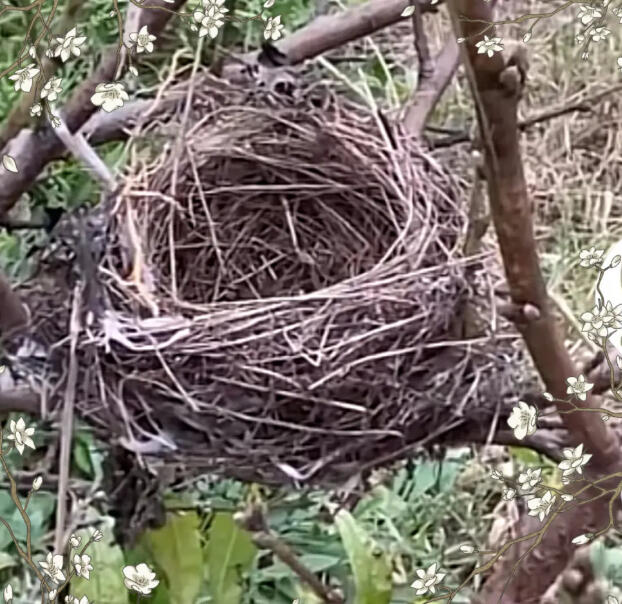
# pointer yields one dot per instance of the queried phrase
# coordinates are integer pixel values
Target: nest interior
(278, 292)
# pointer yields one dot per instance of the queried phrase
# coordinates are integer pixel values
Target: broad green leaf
(370, 566)
(230, 552)
(176, 549)
(7, 561)
(525, 456)
(40, 510)
(426, 476)
(106, 579)
(316, 563)
(81, 457)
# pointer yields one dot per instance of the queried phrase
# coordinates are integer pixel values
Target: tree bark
(33, 150)
(496, 86)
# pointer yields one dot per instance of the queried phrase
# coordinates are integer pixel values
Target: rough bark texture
(34, 150)
(430, 88)
(497, 83)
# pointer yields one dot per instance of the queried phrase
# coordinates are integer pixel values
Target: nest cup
(278, 286)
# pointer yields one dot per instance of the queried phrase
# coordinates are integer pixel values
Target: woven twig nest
(278, 292)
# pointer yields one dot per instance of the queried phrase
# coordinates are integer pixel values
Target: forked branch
(496, 84)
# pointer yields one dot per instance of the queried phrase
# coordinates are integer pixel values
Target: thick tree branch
(496, 84)
(13, 314)
(331, 31)
(19, 117)
(20, 400)
(34, 150)
(430, 87)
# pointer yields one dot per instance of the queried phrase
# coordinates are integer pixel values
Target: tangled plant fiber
(279, 289)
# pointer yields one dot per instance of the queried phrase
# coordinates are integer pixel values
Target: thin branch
(429, 89)
(67, 422)
(77, 145)
(585, 105)
(496, 84)
(254, 522)
(426, 65)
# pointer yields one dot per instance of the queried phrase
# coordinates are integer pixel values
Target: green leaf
(40, 510)
(371, 567)
(82, 458)
(7, 561)
(176, 549)
(525, 456)
(106, 579)
(230, 552)
(316, 563)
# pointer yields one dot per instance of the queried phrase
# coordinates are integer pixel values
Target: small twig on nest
(77, 145)
(67, 421)
(431, 85)
(426, 65)
(254, 521)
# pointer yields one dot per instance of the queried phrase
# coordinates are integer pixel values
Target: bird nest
(278, 293)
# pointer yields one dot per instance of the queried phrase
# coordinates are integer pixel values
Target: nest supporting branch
(496, 83)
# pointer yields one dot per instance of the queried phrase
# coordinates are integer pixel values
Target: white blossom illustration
(575, 460)
(541, 506)
(143, 40)
(23, 77)
(53, 567)
(82, 565)
(97, 535)
(578, 386)
(427, 580)
(530, 479)
(591, 257)
(52, 89)
(599, 34)
(273, 28)
(140, 578)
(489, 46)
(587, 14)
(523, 420)
(21, 435)
(68, 45)
(109, 96)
